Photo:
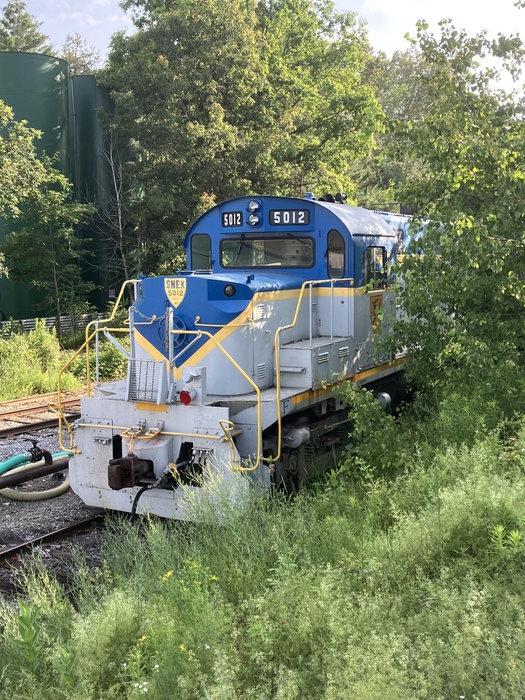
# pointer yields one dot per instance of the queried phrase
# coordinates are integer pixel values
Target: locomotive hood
(199, 301)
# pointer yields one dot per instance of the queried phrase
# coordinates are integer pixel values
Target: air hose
(20, 463)
(162, 479)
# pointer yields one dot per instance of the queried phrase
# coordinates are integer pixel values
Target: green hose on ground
(15, 461)
(19, 464)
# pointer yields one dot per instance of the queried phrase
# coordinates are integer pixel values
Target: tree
(82, 59)
(465, 295)
(226, 97)
(20, 31)
(44, 251)
(400, 89)
(21, 172)
(119, 237)
(35, 199)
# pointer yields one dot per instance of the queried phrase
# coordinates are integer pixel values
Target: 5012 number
(231, 218)
(289, 217)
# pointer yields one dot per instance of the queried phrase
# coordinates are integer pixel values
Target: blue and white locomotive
(233, 362)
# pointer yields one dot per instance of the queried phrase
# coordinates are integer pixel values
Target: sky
(388, 20)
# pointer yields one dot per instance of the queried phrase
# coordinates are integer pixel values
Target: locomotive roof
(356, 220)
(359, 221)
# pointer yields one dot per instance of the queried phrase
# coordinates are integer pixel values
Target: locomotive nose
(178, 306)
(213, 302)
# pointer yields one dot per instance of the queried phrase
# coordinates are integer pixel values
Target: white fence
(67, 323)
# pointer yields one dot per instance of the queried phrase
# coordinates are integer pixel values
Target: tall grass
(391, 586)
(30, 363)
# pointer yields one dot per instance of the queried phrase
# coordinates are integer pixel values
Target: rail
(198, 324)
(8, 552)
(199, 333)
(228, 431)
(62, 420)
(67, 323)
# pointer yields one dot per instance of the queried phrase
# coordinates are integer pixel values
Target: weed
(28, 631)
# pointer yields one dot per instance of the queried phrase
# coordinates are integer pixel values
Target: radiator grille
(144, 379)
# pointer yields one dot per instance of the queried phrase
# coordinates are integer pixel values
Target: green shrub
(29, 363)
(375, 447)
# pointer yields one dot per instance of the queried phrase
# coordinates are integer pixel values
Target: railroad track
(9, 555)
(17, 416)
(60, 533)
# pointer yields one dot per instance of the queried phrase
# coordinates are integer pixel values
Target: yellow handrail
(98, 322)
(127, 429)
(198, 324)
(84, 346)
(228, 428)
(199, 333)
(248, 379)
(308, 283)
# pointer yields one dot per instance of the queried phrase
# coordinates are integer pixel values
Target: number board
(289, 217)
(231, 218)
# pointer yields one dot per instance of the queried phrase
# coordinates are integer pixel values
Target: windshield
(291, 251)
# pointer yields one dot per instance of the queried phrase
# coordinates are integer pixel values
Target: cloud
(390, 9)
(472, 15)
(389, 20)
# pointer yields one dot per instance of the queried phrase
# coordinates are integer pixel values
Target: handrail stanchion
(332, 311)
(310, 300)
(97, 364)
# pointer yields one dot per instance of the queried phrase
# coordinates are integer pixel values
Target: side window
(336, 255)
(374, 260)
(200, 252)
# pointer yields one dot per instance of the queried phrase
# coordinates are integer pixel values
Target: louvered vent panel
(261, 372)
(259, 312)
(143, 380)
(343, 352)
(322, 357)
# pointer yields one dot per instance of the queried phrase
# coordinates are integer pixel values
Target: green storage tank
(36, 88)
(89, 165)
(90, 169)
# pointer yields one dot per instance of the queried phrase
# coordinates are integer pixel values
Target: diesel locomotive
(232, 363)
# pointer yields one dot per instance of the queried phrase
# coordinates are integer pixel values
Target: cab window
(335, 255)
(374, 263)
(200, 252)
(290, 251)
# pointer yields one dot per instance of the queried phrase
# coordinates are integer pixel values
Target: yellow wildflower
(182, 647)
(166, 576)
